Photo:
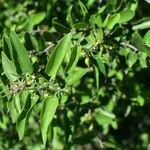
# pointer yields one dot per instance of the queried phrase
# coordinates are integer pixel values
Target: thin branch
(45, 51)
(130, 46)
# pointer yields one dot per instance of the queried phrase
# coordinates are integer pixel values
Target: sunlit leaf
(24, 115)
(58, 55)
(146, 38)
(76, 75)
(96, 70)
(100, 64)
(13, 112)
(69, 17)
(75, 54)
(7, 48)
(35, 19)
(9, 68)
(126, 15)
(132, 58)
(21, 54)
(49, 107)
(138, 43)
(142, 58)
(112, 21)
(83, 8)
(96, 19)
(103, 117)
(143, 25)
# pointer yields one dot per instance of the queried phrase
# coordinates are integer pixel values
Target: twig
(130, 46)
(45, 51)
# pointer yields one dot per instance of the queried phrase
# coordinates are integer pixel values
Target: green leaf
(21, 54)
(142, 58)
(29, 42)
(126, 15)
(64, 98)
(132, 58)
(69, 17)
(21, 121)
(76, 75)
(75, 55)
(24, 115)
(146, 38)
(112, 21)
(7, 48)
(139, 99)
(80, 25)
(146, 49)
(99, 36)
(101, 9)
(124, 51)
(15, 106)
(9, 68)
(100, 64)
(35, 19)
(105, 22)
(103, 117)
(58, 55)
(90, 3)
(134, 6)
(141, 26)
(47, 113)
(138, 43)
(96, 19)
(13, 112)
(17, 102)
(84, 100)
(91, 39)
(137, 40)
(96, 70)
(83, 8)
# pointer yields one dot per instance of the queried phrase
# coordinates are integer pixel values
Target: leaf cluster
(74, 74)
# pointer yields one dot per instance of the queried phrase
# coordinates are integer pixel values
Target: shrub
(74, 74)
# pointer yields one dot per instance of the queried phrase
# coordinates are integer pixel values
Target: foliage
(74, 74)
